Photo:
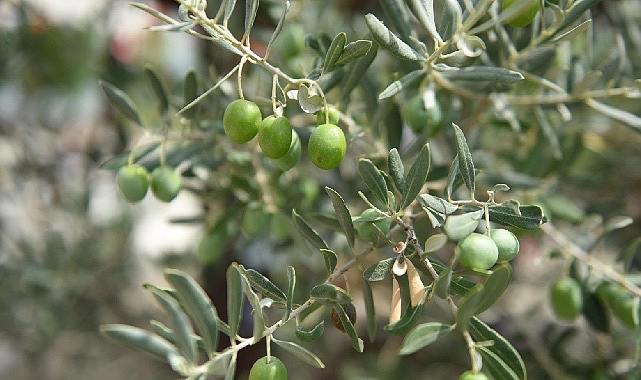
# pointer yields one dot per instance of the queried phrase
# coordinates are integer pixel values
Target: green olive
(470, 375)
(165, 183)
(275, 136)
(242, 120)
(567, 298)
(478, 252)
(327, 146)
(419, 118)
(506, 242)
(292, 157)
(268, 368)
(133, 181)
(334, 116)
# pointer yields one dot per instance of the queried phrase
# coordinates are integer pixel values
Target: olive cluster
(481, 252)
(133, 181)
(243, 121)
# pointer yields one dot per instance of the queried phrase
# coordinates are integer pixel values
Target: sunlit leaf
(334, 52)
(234, 300)
(197, 305)
(139, 339)
(396, 169)
(263, 285)
(530, 217)
(354, 50)
(484, 74)
(399, 85)
(422, 336)
(389, 41)
(300, 352)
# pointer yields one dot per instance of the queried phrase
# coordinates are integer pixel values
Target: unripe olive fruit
(212, 245)
(165, 183)
(419, 118)
(470, 375)
(478, 251)
(334, 116)
(366, 230)
(275, 136)
(506, 242)
(292, 157)
(268, 368)
(242, 120)
(567, 298)
(525, 16)
(350, 310)
(621, 301)
(132, 181)
(327, 146)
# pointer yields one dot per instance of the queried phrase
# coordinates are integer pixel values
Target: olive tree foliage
(459, 121)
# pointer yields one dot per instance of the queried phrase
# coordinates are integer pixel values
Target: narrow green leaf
(330, 260)
(442, 286)
(291, 286)
(357, 72)
(549, 132)
(483, 74)
(197, 305)
(308, 232)
(468, 306)
(379, 270)
(389, 41)
(422, 336)
(158, 88)
(300, 352)
(234, 300)
(168, 334)
(139, 339)
(396, 169)
(263, 285)
(465, 163)
(574, 13)
(354, 50)
(251, 10)
(570, 34)
(399, 85)
(334, 52)
(191, 93)
(501, 348)
(530, 217)
(494, 286)
(370, 309)
(373, 179)
(328, 294)
(343, 214)
(254, 301)
(300, 318)
(229, 9)
(180, 322)
(452, 176)
(123, 159)
(495, 365)
(595, 312)
(424, 12)
(397, 13)
(416, 176)
(357, 343)
(437, 208)
(220, 363)
(310, 335)
(121, 101)
(450, 19)
(457, 227)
